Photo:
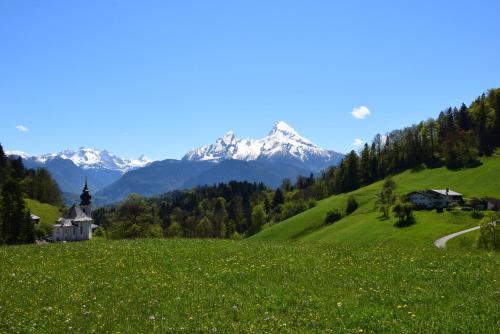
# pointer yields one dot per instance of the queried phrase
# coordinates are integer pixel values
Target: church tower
(85, 198)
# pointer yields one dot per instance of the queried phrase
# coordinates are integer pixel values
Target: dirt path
(441, 242)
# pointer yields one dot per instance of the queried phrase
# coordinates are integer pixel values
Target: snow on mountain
(21, 154)
(90, 158)
(282, 142)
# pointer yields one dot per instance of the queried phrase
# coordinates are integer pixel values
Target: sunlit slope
(365, 227)
(48, 213)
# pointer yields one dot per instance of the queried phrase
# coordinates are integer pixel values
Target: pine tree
(351, 172)
(219, 218)
(463, 119)
(3, 158)
(13, 213)
(365, 165)
(278, 198)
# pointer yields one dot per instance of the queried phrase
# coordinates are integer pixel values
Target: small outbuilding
(35, 219)
(492, 204)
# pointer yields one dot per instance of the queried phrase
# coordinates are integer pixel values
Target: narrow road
(441, 242)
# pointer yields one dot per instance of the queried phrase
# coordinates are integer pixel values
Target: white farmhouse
(434, 198)
(76, 223)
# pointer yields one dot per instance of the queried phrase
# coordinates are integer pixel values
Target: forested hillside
(366, 225)
(16, 184)
(455, 139)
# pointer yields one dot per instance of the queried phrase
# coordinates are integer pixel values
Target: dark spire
(85, 196)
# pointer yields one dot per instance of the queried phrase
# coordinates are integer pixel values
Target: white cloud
(358, 143)
(360, 112)
(22, 128)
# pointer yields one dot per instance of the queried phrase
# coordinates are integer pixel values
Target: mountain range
(283, 153)
(71, 167)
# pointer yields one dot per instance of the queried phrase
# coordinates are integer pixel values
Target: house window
(81, 229)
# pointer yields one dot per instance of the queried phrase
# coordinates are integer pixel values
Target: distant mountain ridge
(91, 158)
(70, 167)
(163, 176)
(283, 153)
(282, 143)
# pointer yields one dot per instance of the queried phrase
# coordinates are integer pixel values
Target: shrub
(490, 233)
(332, 216)
(477, 214)
(352, 205)
(292, 208)
(403, 210)
(311, 204)
(174, 231)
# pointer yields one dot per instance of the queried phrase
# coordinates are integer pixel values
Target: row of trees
(16, 183)
(226, 210)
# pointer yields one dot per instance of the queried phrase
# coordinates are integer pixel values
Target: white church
(76, 223)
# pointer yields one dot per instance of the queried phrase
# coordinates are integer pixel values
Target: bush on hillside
(490, 233)
(352, 205)
(332, 216)
(403, 210)
(477, 214)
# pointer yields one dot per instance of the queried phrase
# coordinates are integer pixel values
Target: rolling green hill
(364, 227)
(48, 214)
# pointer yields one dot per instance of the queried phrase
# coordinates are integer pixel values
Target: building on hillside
(76, 223)
(492, 204)
(34, 218)
(433, 198)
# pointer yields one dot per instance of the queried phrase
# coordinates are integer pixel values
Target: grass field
(364, 227)
(48, 214)
(189, 286)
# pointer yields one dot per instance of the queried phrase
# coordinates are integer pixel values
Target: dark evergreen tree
(14, 216)
(365, 165)
(17, 166)
(278, 198)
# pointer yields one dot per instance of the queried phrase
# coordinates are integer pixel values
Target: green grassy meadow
(48, 214)
(364, 226)
(359, 275)
(191, 286)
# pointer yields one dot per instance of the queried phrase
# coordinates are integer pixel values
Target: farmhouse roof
(493, 200)
(446, 192)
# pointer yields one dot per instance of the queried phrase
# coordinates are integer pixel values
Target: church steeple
(85, 197)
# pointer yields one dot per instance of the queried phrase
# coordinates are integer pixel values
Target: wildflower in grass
(339, 304)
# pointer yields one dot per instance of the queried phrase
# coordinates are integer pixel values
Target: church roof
(64, 222)
(75, 214)
(85, 197)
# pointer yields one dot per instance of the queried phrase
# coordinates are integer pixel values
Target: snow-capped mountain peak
(282, 127)
(90, 158)
(229, 138)
(283, 142)
(15, 153)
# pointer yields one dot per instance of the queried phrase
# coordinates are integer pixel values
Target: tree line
(226, 210)
(16, 183)
(455, 139)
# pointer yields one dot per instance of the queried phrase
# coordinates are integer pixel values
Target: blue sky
(161, 77)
